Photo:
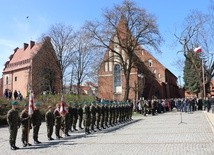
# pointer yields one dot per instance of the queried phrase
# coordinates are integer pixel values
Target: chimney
(15, 49)
(25, 46)
(32, 43)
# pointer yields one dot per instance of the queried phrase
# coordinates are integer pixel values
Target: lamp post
(199, 50)
(203, 79)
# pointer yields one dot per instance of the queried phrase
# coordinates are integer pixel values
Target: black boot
(88, 132)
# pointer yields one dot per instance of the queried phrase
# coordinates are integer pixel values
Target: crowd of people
(16, 95)
(188, 105)
(95, 116)
(64, 118)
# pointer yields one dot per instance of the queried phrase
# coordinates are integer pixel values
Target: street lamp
(203, 80)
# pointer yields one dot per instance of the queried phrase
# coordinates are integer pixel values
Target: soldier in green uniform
(70, 111)
(113, 114)
(58, 120)
(102, 120)
(36, 119)
(93, 116)
(80, 115)
(49, 119)
(75, 116)
(98, 115)
(26, 126)
(106, 114)
(87, 118)
(66, 123)
(13, 121)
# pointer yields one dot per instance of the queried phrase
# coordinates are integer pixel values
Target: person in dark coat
(13, 121)
(15, 94)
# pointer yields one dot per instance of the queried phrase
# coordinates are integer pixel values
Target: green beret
(37, 104)
(14, 103)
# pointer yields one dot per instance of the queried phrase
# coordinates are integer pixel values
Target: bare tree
(62, 38)
(125, 27)
(198, 31)
(83, 59)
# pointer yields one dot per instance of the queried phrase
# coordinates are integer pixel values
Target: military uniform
(36, 121)
(49, 119)
(87, 118)
(26, 126)
(13, 121)
(102, 116)
(75, 117)
(70, 111)
(80, 116)
(93, 117)
(58, 122)
(98, 115)
(106, 115)
(67, 123)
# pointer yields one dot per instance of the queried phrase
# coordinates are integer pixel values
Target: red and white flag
(198, 49)
(31, 103)
(63, 111)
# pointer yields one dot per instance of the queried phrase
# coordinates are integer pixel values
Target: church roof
(22, 57)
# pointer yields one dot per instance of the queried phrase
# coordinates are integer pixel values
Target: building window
(117, 79)
(15, 78)
(155, 71)
(7, 79)
(106, 67)
(159, 76)
(150, 62)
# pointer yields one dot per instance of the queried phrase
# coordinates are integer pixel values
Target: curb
(209, 121)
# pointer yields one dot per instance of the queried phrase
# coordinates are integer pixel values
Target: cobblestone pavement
(163, 134)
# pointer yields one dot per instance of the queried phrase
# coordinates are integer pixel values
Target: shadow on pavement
(81, 134)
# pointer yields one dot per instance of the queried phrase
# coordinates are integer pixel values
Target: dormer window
(150, 62)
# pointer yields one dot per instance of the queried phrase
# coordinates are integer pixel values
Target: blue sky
(17, 29)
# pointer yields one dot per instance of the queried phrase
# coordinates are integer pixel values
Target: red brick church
(149, 78)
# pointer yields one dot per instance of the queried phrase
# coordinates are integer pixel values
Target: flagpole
(30, 112)
(203, 79)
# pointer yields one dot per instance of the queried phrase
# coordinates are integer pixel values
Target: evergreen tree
(193, 72)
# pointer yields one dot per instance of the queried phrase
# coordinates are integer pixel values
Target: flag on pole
(31, 103)
(198, 49)
(62, 111)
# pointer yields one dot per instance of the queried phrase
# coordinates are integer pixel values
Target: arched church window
(117, 78)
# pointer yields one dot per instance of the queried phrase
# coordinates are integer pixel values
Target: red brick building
(1, 87)
(35, 67)
(147, 79)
